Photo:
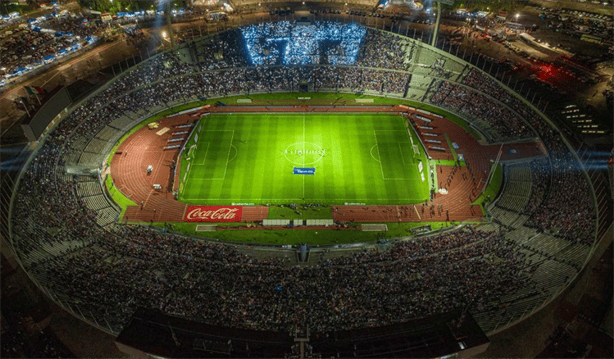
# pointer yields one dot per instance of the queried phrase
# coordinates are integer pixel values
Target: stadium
(295, 181)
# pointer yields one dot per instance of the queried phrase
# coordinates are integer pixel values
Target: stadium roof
(151, 332)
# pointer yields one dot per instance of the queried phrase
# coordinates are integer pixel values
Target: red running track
(146, 147)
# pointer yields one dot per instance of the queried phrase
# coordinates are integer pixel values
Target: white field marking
(208, 143)
(155, 171)
(380, 163)
(236, 152)
(403, 157)
(152, 151)
(147, 199)
(371, 152)
(379, 155)
(205, 156)
(228, 157)
(314, 199)
(226, 168)
(303, 164)
(122, 192)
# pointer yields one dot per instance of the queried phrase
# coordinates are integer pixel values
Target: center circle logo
(304, 153)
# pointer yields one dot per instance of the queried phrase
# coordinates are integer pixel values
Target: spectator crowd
(108, 272)
(43, 39)
(295, 43)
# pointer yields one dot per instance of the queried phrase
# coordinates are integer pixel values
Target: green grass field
(249, 158)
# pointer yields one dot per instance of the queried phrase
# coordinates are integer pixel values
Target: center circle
(304, 153)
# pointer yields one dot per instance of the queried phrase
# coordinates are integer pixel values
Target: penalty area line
(205, 156)
(379, 155)
(228, 157)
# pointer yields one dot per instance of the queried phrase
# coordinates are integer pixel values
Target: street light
(517, 15)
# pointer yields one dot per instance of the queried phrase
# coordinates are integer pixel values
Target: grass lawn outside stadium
(249, 159)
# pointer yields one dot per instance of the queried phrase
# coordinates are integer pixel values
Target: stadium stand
(64, 229)
(515, 195)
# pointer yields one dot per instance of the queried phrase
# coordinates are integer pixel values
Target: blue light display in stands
(291, 43)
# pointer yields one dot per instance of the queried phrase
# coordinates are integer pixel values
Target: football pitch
(251, 159)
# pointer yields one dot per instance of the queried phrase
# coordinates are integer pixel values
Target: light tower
(166, 5)
(436, 30)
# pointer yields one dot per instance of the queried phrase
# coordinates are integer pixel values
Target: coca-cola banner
(213, 214)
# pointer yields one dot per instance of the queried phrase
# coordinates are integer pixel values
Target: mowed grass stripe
(333, 181)
(252, 151)
(388, 167)
(284, 183)
(337, 185)
(392, 161)
(266, 181)
(239, 169)
(364, 188)
(348, 149)
(373, 169)
(207, 177)
(275, 184)
(314, 133)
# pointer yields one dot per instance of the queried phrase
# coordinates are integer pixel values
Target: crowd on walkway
(29, 46)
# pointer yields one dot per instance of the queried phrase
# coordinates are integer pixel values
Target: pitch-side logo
(213, 214)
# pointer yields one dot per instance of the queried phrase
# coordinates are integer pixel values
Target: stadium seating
(508, 209)
(65, 234)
